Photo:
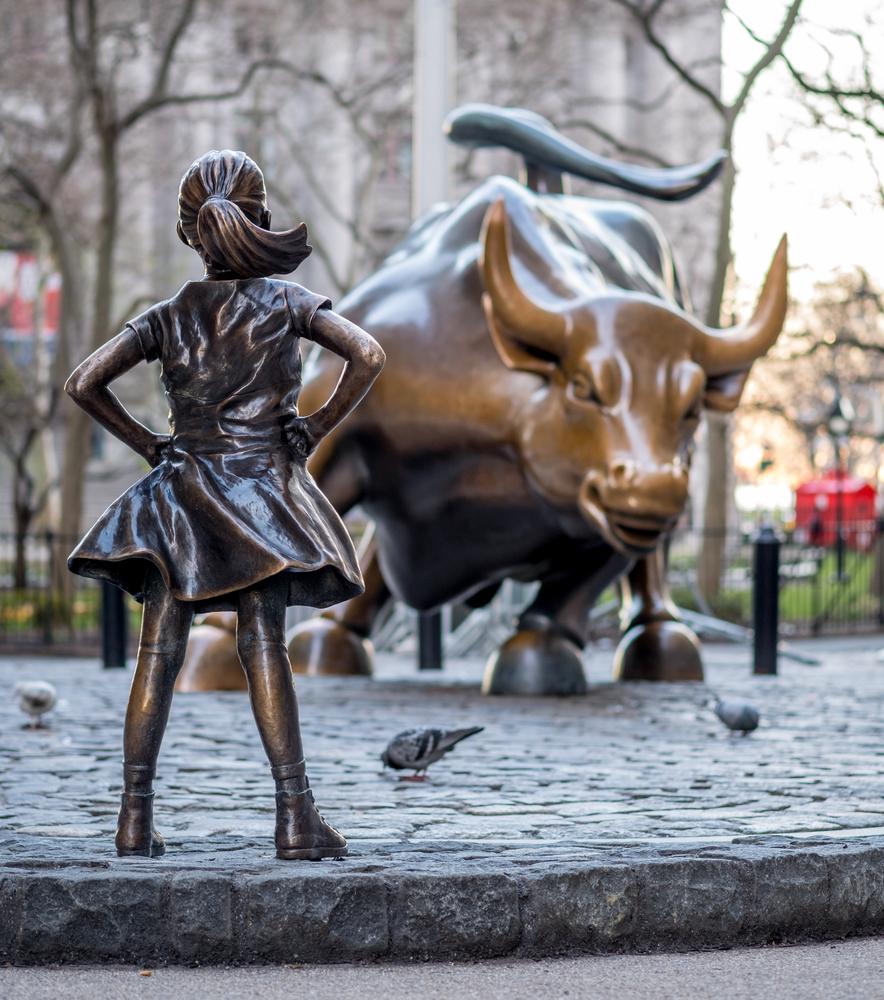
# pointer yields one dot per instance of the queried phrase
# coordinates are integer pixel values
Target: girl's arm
(364, 358)
(88, 387)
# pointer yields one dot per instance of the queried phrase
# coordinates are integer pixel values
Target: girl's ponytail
(221, 204)
(234, 243)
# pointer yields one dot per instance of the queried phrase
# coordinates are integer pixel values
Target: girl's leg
(301, 833)
(164, 630)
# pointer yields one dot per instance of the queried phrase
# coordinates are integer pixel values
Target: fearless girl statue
(228, 518)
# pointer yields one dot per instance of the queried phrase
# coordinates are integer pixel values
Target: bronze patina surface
(536, 414)
(228, 517)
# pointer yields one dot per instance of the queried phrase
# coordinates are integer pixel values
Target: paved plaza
(640, 762)
(628, 780)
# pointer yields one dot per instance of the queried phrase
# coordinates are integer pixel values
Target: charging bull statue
(535, 417)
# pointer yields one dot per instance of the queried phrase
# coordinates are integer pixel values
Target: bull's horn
(533, 325)
(723, 351)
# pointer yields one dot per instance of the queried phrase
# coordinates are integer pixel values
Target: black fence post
(113, 626)
(766, 601)
(429, 640)
(878, 567)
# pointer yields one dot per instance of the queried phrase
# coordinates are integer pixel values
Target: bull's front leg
(544, 656)
(655, 645)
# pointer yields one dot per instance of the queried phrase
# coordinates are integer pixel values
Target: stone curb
(440, 901)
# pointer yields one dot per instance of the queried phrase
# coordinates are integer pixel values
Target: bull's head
(627, 376)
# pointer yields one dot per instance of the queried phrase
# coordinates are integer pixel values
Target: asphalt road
(845, 970)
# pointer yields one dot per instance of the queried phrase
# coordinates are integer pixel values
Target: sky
(793, 178)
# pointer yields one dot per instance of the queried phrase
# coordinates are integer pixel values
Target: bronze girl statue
(228, 518)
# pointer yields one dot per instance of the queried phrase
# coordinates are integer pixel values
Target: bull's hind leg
(337, 642)
(655, 645)
(544, 656)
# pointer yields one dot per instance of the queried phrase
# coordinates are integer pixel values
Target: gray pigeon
(418, 748)
(738, 715)
(36, 698)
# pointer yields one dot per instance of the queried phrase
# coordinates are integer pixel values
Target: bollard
(766, 601)
(429, 640)
(113, 626)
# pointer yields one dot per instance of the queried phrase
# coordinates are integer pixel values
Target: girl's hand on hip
(155, 451)
(302, 437)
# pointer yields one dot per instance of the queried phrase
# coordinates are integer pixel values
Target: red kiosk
(817, 515)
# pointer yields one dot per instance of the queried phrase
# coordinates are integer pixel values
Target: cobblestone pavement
(641, 763)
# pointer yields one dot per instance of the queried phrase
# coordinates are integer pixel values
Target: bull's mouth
(631, 534)
(639, 534)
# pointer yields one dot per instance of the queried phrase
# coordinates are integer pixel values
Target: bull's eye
(582, 387)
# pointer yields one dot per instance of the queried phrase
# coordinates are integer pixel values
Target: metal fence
(821, 592)
(44, 608)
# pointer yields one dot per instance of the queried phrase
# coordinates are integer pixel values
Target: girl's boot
(136, 836)
(301, 833)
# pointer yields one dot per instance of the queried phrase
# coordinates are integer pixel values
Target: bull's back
(424, 306)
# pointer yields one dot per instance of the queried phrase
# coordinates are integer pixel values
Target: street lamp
(839, 424)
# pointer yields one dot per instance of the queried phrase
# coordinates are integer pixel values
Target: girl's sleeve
(148, 327)
(303, 305)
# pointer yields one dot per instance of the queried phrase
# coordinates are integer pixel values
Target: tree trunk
(70, 423)
(20, 563)
(79, 425)
(22, 511)
(717, 439)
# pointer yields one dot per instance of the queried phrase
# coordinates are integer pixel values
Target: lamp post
(839, 424)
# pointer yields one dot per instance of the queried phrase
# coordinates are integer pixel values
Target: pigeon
(418, 748)
(738, 715)
(36, 698)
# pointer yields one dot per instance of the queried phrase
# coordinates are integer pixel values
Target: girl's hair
(221, 205)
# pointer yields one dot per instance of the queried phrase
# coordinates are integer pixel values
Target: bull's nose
(657, 492)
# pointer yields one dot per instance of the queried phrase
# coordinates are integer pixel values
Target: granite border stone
(457, 902)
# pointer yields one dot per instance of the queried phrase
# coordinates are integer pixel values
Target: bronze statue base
(322, 646)
(658, 651)
(535, 662)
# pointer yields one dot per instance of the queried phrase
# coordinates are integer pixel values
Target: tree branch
(645, 17)
(619, 145)
(161, 80)
(772, 50)
(155, 101)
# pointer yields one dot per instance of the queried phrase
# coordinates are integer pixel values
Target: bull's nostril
(622, 472)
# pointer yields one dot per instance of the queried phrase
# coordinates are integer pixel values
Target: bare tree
(77, 114)
(835, 343)
(27, 405)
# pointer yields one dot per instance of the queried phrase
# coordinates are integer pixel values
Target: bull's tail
(547, 151)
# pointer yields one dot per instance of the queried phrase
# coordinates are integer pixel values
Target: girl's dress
(229, 505)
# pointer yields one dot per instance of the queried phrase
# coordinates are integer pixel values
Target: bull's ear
(723, 392)
(514, 352)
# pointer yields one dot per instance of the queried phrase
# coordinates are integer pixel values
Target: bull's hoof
(211, 662)
(323, 646)
(658, 651)
(535, 662)
(220, 619)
